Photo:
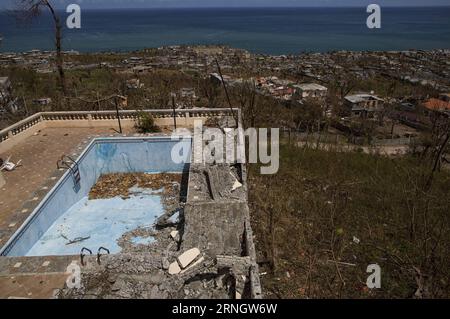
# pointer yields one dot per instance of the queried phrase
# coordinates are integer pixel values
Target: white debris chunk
(188, 257)
(174, 235)
(174, 268)
(236, 185)
(199, 261)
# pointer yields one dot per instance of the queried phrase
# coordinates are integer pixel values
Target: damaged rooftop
(199, 246)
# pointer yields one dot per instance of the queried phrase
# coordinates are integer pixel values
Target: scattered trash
(9, 166)
(356, 240)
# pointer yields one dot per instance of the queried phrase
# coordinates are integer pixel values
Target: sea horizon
(263, 30)
(63, 10)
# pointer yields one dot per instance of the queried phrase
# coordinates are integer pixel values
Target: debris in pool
(119, 184)
(78, 240)
(139, 240)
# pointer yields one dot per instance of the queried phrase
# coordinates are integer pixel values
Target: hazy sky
(235, 3)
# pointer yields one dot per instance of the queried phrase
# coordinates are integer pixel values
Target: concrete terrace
(214, 226)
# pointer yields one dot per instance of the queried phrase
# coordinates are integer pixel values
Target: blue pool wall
(102, 156)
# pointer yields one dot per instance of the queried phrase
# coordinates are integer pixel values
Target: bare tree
(247, 98)
(28, 10)
(441, 138)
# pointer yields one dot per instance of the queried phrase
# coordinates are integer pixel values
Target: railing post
(10, 134)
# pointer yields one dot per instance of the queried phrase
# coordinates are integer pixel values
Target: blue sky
(235, 3)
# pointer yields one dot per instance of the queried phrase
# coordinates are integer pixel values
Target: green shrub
(145, 123)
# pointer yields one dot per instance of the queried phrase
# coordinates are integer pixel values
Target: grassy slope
(305, 218)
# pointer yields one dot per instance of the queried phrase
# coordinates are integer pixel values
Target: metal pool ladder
(68, 163)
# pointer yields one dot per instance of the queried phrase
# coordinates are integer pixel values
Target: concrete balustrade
(15, 133)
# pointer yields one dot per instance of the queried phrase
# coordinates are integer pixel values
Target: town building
(134, 84)
(364, 105)
(441, 106)
(43, 101)
(310, 90)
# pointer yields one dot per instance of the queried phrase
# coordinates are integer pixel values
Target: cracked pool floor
(98, 223)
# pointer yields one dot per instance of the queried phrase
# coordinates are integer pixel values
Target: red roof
(437, 105)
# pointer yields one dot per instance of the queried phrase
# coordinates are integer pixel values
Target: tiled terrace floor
(39, 154)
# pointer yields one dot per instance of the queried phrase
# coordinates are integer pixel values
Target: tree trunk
(437, 160)
(58, 43)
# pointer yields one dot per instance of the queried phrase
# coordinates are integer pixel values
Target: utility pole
(118, 114)
(226, 93)
(174, 112)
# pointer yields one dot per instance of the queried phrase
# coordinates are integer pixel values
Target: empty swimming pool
(66, 220)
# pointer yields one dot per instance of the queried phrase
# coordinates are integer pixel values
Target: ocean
(261, 30)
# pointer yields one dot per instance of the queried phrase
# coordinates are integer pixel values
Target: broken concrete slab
(175, 235)
(215, 228)
(165, 263)
(188, 257)
(198, 262)
(174, 268)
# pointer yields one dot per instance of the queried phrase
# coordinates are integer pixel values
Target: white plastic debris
(356, 240)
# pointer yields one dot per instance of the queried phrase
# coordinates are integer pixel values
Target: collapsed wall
(217, 221)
